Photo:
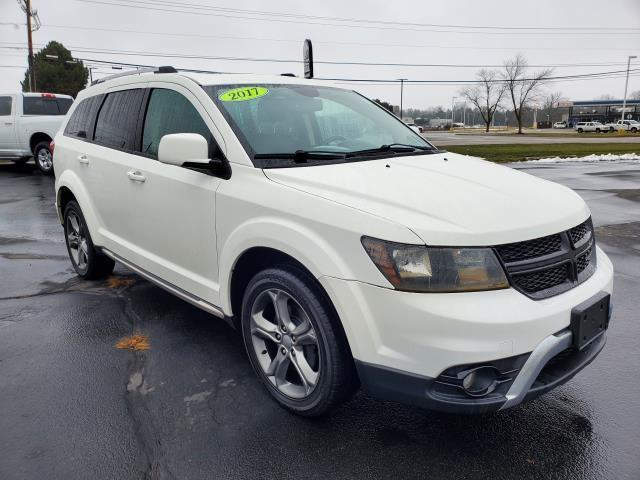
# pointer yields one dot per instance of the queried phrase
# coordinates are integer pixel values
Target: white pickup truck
(28, 123)
(628, 125)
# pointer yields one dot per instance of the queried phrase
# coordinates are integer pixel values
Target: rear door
(8, 136)
(174, 229)
(104, 161)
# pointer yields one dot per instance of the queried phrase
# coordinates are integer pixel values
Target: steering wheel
(334, 138)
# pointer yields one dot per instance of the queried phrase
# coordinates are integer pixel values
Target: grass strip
(522, 152)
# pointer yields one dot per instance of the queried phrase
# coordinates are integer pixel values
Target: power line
(321, 42)
(591, 76)
(139, 4)
(321, 62)
(199, 6)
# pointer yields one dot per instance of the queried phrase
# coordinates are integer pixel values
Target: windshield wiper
(301, 156)
(392, 147)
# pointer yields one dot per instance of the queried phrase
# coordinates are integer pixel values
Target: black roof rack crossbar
(163, 69)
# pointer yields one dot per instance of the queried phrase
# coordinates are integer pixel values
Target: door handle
(83, 159)
(136, 176)
(8, 123)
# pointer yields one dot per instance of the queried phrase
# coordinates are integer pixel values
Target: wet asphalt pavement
(72, 406)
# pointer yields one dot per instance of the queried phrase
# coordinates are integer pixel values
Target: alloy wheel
(45, 159)
(77, 241)
(285, 343)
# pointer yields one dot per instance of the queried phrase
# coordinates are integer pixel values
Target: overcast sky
(164, 27)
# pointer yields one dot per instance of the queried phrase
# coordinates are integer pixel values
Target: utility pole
(453, 100)
(33, 23)
(32, 78)
(626, 86)
(402, 80)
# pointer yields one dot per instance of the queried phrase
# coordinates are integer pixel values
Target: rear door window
(118, 119)
(5, 106)
(170, 112)
(80, 124)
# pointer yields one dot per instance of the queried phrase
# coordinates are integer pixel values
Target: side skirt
(177, 291)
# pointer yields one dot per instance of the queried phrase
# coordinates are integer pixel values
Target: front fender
(288, 237)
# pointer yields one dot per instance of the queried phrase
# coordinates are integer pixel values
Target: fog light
(480, 381)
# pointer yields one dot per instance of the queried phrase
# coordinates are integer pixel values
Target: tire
(579, 130)
(311, 373)
(88, 262)
(597, 130)
(634, 130)
(43, 157)
(611, 129)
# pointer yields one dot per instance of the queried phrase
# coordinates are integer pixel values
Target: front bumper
(551, 364)
(402, 342)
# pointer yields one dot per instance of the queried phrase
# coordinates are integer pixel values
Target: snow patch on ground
(606, 157)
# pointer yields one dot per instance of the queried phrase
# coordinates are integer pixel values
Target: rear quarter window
(80, 125)
(118, 119)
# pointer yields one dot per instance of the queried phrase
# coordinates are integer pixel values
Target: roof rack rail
(163, 69)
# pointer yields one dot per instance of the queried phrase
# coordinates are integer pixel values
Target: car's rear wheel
(295, 343)
(88, 262)
(44, 157)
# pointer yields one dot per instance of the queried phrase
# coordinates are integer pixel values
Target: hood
(446, 198)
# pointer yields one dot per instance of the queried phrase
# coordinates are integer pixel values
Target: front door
(174, 227)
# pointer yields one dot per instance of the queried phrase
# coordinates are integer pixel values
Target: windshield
(272, 119)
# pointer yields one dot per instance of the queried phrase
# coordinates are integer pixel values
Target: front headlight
(417, 268)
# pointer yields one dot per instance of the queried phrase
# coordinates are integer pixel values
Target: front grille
(542, 279)
(583, 260)
(514, 252)
(580, 232)
(550, 265)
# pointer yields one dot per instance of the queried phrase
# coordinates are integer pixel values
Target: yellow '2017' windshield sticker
(243, 93)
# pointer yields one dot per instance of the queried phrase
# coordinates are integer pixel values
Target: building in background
(604, 111)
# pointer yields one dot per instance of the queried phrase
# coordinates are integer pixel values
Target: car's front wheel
(44, 157)
(295, 343)
(579, 130)
(87, 261)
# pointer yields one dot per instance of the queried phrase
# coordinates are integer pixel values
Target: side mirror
(180, 148)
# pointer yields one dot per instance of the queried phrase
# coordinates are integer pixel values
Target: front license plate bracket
(590, 319)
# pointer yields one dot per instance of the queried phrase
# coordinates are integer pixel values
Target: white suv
(346, 249)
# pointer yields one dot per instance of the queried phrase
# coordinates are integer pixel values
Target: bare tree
(635, 95)
(486, 95)
(522, 85)
(550, 102)
(606, 96)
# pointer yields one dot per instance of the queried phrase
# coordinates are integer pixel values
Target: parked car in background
(28, 123)
(415, 127)
(632, 126)
(562, 124)
(347, 249)
(591, 127)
